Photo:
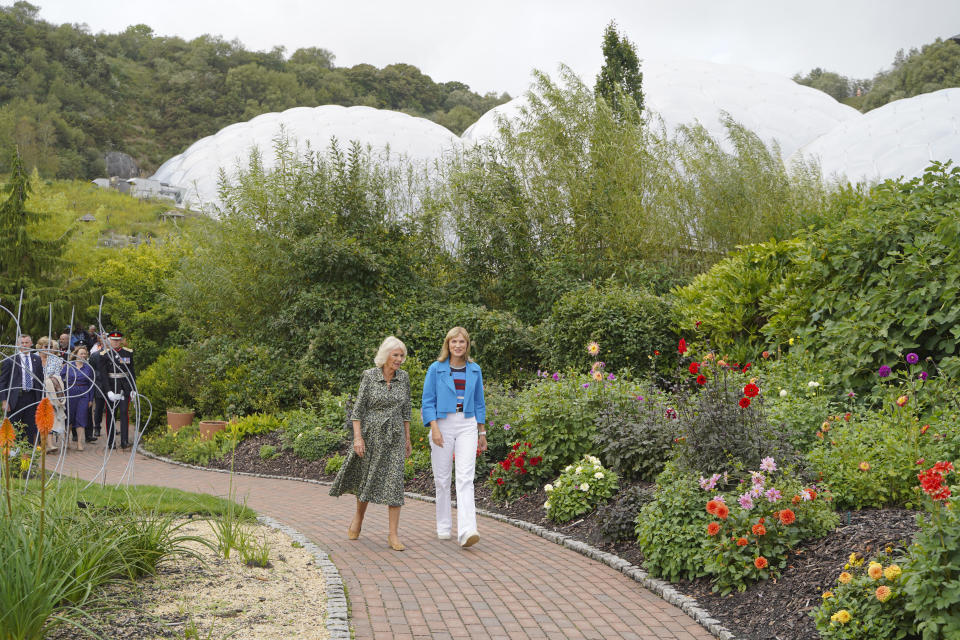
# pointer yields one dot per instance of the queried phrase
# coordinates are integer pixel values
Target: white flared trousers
(460, 438)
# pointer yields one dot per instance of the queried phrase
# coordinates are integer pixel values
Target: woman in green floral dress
(381, 440)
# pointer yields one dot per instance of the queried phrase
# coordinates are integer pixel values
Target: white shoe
(443, 536)
(470, 540)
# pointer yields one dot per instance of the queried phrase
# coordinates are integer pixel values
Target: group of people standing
(452, 406)
(86, 376)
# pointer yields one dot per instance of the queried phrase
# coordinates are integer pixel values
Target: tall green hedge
(629, 324)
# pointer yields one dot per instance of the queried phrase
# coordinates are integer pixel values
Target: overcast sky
(493, 45)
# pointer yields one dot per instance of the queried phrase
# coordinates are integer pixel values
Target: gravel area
(218, 598)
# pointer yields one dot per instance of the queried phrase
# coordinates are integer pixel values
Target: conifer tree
(620, 75)
(33, 265)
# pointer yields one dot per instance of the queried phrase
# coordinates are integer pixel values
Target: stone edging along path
(336, 597)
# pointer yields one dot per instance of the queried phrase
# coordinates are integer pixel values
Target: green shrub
(167, 382)
(869, 458)
(671, 528)
(334, 463)
(853, 609)
(267, 452)
(581, 487)
(254, 424)
(312, 435)
(725, 305)
(558, 416)
(418, 461)
(499, 342)
(629, 325)
(879, 281)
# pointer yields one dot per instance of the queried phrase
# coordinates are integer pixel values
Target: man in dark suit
(99, 385)
(120, 385)
(21, 387)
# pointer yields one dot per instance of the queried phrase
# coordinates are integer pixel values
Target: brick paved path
(512, 585)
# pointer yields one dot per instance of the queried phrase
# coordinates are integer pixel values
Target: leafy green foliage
(858, 594)
(579, 489)
(267, 452)
(671, 527)
(725, 304)
(313, 434)
(882, 279)
(333, 464)
(166, 383)
(558, 417)
(930, 577)
(628, 325)
(831, 83)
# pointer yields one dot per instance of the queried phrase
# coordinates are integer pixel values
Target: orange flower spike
(45, 417)
(7, 435)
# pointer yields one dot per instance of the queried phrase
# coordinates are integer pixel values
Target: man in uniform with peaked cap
(120, 385)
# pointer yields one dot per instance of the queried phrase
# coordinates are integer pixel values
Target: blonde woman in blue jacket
(454, 409)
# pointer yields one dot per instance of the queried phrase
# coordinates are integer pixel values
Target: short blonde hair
(46, 342)
(445, 349)
(388, 346)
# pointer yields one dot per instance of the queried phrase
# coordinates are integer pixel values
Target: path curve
(511, 586)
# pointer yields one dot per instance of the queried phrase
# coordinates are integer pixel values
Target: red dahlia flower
(759, 530)
(787, 516)
(722, 511)
(712, 507)
(701, 379)
(744, 402)
(682, 346)
(751, 390)
(713, 528)
(760, 562)
(694, 368)
(742, 542)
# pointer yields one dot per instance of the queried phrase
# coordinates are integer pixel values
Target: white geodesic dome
(899, 139)
(684, 92)
(416, 139)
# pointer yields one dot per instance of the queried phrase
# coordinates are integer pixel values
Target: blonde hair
(45, 342)
(445, 349)
(388, 346)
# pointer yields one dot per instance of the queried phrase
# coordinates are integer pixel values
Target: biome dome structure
(417, 139)
(689, 91)
(898, 139)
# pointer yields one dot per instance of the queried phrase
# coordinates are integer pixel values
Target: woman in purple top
(78, 380)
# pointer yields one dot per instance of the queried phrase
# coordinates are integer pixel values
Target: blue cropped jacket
(440, 396)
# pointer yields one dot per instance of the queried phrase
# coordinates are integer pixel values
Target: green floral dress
(381, 410)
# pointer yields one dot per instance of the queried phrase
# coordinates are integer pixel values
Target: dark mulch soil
(773, 610)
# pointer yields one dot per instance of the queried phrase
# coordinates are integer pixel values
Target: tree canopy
(68, 96)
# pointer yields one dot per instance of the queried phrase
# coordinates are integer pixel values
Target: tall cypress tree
(620, 75)
(33, 265)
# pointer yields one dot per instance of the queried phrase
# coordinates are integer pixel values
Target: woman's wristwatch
(482, 433)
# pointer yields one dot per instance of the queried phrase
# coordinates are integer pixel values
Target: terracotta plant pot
(209, 427)
(177, 420)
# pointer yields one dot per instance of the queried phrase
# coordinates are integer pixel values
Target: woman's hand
(482, 443)
(408, 449)
(436, 436)
(358, 447)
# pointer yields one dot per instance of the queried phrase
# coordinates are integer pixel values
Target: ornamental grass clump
(581, 488)
(866, 603)
(754, 526)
